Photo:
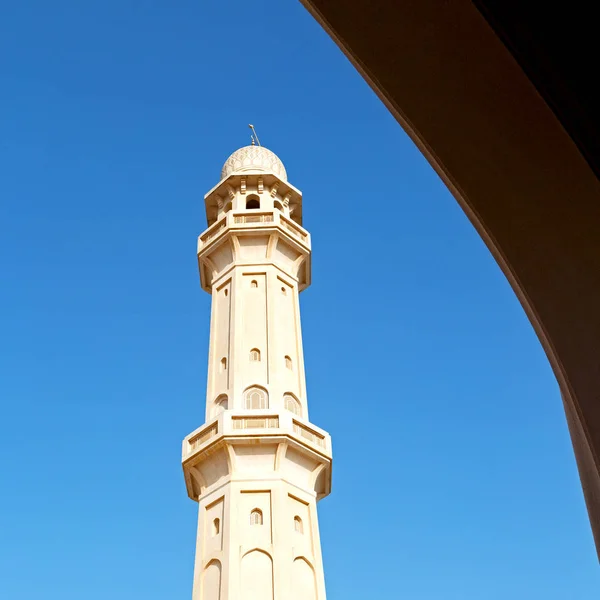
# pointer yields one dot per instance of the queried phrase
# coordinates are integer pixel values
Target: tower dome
(254, 158)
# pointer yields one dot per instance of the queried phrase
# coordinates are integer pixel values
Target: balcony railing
(212, 231)
(255, 422)
(309, 434)
(279, 422)
(238, 219)
(293, 228)
(262, 218)
(197, 440)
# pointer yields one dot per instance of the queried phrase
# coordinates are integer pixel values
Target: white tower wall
(257, 467)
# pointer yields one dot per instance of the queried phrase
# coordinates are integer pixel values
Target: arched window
(255, 355)
(288, 362)
(254, 284)
(216, 527)
(223, 364)
(291, 403)
(221, 404)
(255, 397)
(298, 526)
(252, 202)
(256, 517)
(283, 291)
(278, 205)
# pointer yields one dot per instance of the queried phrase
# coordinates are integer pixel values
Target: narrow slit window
(223, 364)
(298, 526)
(254, 284)
(255, 355)
(288, 362)
(216, 527)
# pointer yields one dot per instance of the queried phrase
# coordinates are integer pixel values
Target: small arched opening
(252, 202)
(221, 404)
(256, 517)
(298, 525)
(291, 403)
(256, 398)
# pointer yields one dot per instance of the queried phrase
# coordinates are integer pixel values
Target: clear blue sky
(115, 118)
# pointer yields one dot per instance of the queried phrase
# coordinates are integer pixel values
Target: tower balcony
(241, 221)
(268, 428)
(274, 237)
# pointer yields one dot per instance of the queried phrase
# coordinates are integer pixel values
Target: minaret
(258, 466)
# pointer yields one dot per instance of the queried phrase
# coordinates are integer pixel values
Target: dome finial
(254, 136)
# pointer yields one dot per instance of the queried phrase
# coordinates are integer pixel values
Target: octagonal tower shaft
(258, 466)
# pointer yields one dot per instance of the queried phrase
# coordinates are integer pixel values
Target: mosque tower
(258, 466)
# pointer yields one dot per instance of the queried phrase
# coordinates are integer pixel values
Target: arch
(288, 362)
(298, 525)
(223, 364)
(304, 582)
(254, 284)
(257, 575)
(216, 527)
(252, 202)
(220, 404)
(255, 355)
(291, 403)
(278, 205)
(256, 397)
(211, 584)
(256, 516)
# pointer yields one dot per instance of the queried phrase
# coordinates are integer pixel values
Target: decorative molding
(231, 192)
(236, 247)
(260, 185)
(211, 265)
(280, 455)
(286, 199)
(219, 202)
(197, 477)
(274, 189)
(271, 245)
(243, 185)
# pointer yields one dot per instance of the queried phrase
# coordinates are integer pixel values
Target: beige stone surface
(257, 467)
